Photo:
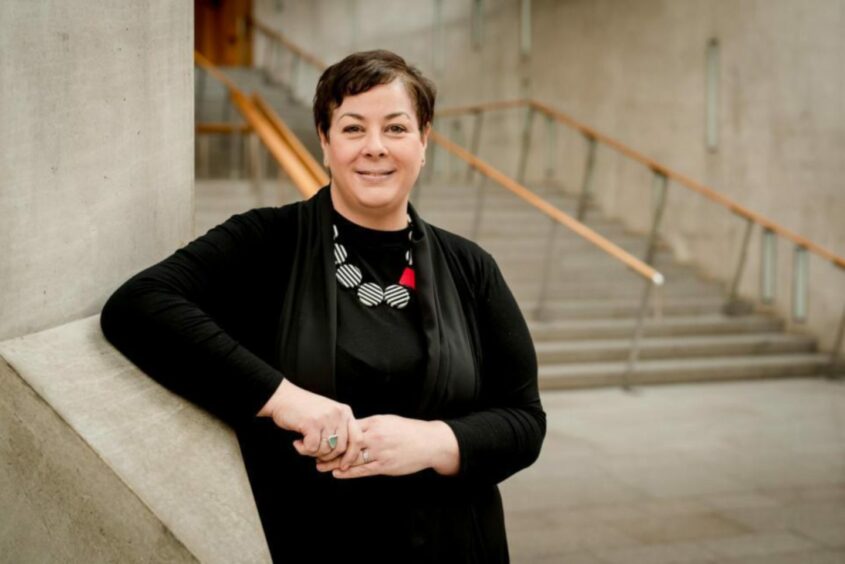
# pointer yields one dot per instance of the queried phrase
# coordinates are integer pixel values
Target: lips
(374, 173)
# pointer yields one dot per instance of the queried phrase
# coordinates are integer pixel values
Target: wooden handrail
(656, 166)
(281, 127)
(276, 144)
(209, 67)
(290, 45)
(542, 205)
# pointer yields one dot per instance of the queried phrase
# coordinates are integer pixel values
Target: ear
(324, 144)
(425, 133)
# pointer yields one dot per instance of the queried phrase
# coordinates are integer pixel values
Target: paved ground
(747, 472)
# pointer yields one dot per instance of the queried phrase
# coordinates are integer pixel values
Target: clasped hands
(387, 445)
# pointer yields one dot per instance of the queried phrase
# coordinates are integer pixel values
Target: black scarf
(308, 325)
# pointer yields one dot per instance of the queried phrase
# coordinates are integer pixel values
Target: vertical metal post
(294, 76)
(431, 157)
(551, 148)
(203, 143)
(352, 15)
(235, 141)
(660, 183)
(256, 165)
(800, 283)
(712, 117)
(475, 143)
(548, 266)
(477, 23)
(457, 137)
(634, 354)
(735, 306)
(526, 144)
(475, 231)
(200, 98)
(227, 104)
(768, 266)
(525, 28)
(587, 186)
(835, 369)
(437, 46)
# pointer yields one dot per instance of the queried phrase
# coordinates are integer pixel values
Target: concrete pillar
(96, 152)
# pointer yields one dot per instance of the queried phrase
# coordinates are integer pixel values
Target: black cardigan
(216, 322)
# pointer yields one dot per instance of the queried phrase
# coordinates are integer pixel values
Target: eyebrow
(388, 116)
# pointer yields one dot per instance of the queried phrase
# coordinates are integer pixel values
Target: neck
(381, 219)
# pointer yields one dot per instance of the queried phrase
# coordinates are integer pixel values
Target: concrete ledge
(100, 463)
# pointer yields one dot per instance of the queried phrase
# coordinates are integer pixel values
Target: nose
(374, 145)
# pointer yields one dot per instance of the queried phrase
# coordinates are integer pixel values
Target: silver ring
(365, 454)
(332, 440)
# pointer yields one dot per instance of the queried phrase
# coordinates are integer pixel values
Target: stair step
(611, 289)
(615, 308)
(665, 371)
(673, 347)
(716, 324)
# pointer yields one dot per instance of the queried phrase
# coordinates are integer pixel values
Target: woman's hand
(317, 418)
(396, 446)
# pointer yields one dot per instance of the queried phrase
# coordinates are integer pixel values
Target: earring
(423, 162)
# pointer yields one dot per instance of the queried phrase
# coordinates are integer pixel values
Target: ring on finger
(332, 441)
(365, 455)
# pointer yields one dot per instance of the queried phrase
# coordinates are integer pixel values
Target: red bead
(408, 278)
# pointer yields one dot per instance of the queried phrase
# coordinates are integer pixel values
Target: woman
(377, 371)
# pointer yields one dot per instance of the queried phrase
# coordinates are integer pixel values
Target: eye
(396, 128)
(352, 129)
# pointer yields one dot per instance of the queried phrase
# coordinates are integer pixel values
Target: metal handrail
(277, 145)
(662, 175)
(656, 166)
(531, 198)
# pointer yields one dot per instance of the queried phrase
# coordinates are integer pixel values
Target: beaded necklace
(369, 293)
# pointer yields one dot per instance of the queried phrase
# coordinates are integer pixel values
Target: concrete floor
(746, 472)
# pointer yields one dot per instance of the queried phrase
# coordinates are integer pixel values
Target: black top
(207, 322)
(380, 349)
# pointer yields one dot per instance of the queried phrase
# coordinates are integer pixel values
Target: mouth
(374, 174)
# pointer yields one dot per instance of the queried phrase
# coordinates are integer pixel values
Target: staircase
(583, 332)
(584, 329)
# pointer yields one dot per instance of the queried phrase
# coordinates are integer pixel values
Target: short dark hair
(359, 72)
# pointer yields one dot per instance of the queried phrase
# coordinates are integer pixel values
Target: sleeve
(506, 433)
(163, 319)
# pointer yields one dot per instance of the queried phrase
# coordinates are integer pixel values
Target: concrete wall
(96, 152)
(98, 463)
(636, 71)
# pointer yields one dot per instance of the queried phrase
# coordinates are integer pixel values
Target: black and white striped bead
(370, 294)
(349, 275)
(396, 296)
(339, 254)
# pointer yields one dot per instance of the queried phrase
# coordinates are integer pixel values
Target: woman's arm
(201, 323)
(504, 436)
(488, 445)
(167, 320)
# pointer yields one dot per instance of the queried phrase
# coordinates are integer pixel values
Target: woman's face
(375, 150)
